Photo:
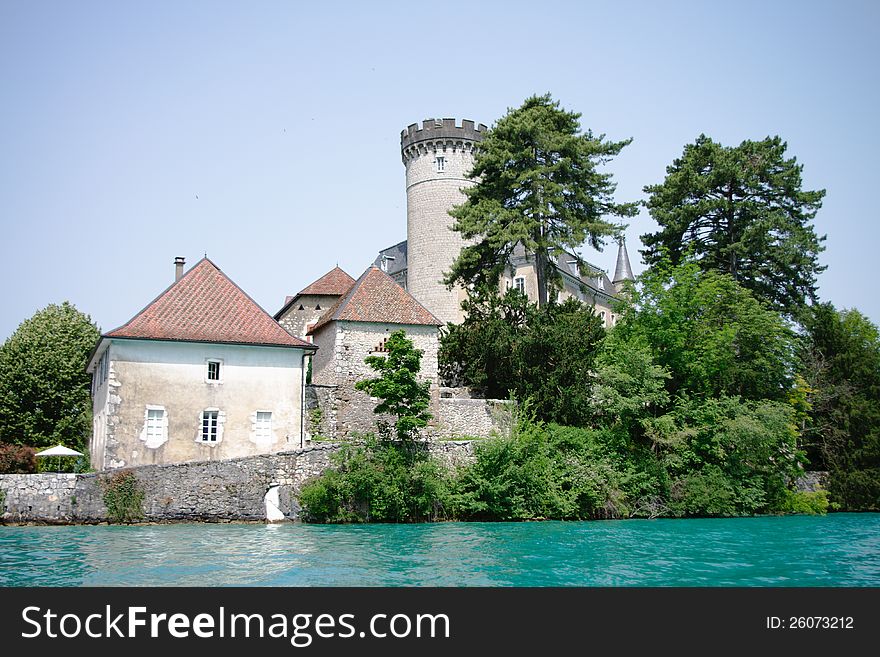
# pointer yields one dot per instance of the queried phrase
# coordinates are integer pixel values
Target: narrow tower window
(441, 163)
(520, 284)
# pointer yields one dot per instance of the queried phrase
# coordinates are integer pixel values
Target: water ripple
(834, 550)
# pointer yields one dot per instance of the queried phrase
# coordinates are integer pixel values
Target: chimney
(178, 268)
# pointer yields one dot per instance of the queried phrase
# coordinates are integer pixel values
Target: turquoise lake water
(834, 550)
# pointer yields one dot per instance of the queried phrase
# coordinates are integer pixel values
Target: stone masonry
(437, 156)
(206, 491)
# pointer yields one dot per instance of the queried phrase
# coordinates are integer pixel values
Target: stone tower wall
(430, 194)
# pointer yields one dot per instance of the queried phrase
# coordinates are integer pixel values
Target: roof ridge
(384, 302)
(205, 305)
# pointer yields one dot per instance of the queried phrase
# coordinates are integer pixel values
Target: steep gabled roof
(375, 297)
(206, 306)
(334, 283)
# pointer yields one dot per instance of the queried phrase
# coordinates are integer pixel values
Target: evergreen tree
(44, 387)
(841, 366)
(538, 185)
(740, 211)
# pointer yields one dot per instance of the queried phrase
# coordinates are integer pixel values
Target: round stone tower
(436, 156)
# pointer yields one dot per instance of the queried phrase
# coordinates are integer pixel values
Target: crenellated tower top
(439, 133)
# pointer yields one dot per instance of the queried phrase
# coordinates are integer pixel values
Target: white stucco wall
(173, 376)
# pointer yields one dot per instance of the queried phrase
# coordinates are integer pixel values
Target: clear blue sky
(267, 134)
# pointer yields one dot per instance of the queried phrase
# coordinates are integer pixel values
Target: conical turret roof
(623, 271)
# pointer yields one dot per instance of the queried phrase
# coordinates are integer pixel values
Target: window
(155, 425)
(155, 429)
(520, 285)
(213, 370)
(210, 423)
(602, 316)
(317, 306)
(263, 425)
(441, 163)
(300, 307)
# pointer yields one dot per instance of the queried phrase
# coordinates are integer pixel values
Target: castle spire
(623, 271)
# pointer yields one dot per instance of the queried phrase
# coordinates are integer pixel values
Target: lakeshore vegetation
(723, 379)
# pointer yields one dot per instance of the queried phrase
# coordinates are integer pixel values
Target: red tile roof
(334, 283)
(205, 306)
(375, 297)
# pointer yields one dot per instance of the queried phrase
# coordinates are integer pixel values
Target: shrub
(381, 481)
(552, 471)
(809, 502)
(17, 459)
(123, 497)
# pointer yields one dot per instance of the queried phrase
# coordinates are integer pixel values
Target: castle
(437, 156)
(203, 373)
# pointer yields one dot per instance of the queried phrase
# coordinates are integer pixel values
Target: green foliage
(543, 471)
(17, 459)
(510, 347)
(123, 497)
(709, 333)
(402, 394)
(537, 185)
(382, 481)
(808, 502)
(840, 354)
(630, 388)
(726, 456)
(740, 211)
(44, 388)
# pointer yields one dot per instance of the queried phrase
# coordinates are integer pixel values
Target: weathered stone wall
(297, 322)
(474, 418)
(49, 497)
(812, 481)
(320, 411)
(213, 491)
(343, 347)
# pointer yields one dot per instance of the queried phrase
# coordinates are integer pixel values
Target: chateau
(437, 157)
(202, 373)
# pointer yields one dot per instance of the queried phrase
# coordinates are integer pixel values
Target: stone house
(303, 310)
(357, 326)
(201, 373)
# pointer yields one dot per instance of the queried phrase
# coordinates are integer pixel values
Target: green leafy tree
(740, 211)
(537, 185)
(398, 387)
(710, 334)
(44, 388)
(841, 368)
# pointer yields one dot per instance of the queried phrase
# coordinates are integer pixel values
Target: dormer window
(440, 161)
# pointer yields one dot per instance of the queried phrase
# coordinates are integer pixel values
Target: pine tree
(740, 211)
(537, 185)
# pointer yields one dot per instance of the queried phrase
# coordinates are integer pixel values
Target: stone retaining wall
(473, 418)
(205, 491)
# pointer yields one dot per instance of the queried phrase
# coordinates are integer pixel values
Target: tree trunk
(541, 275)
